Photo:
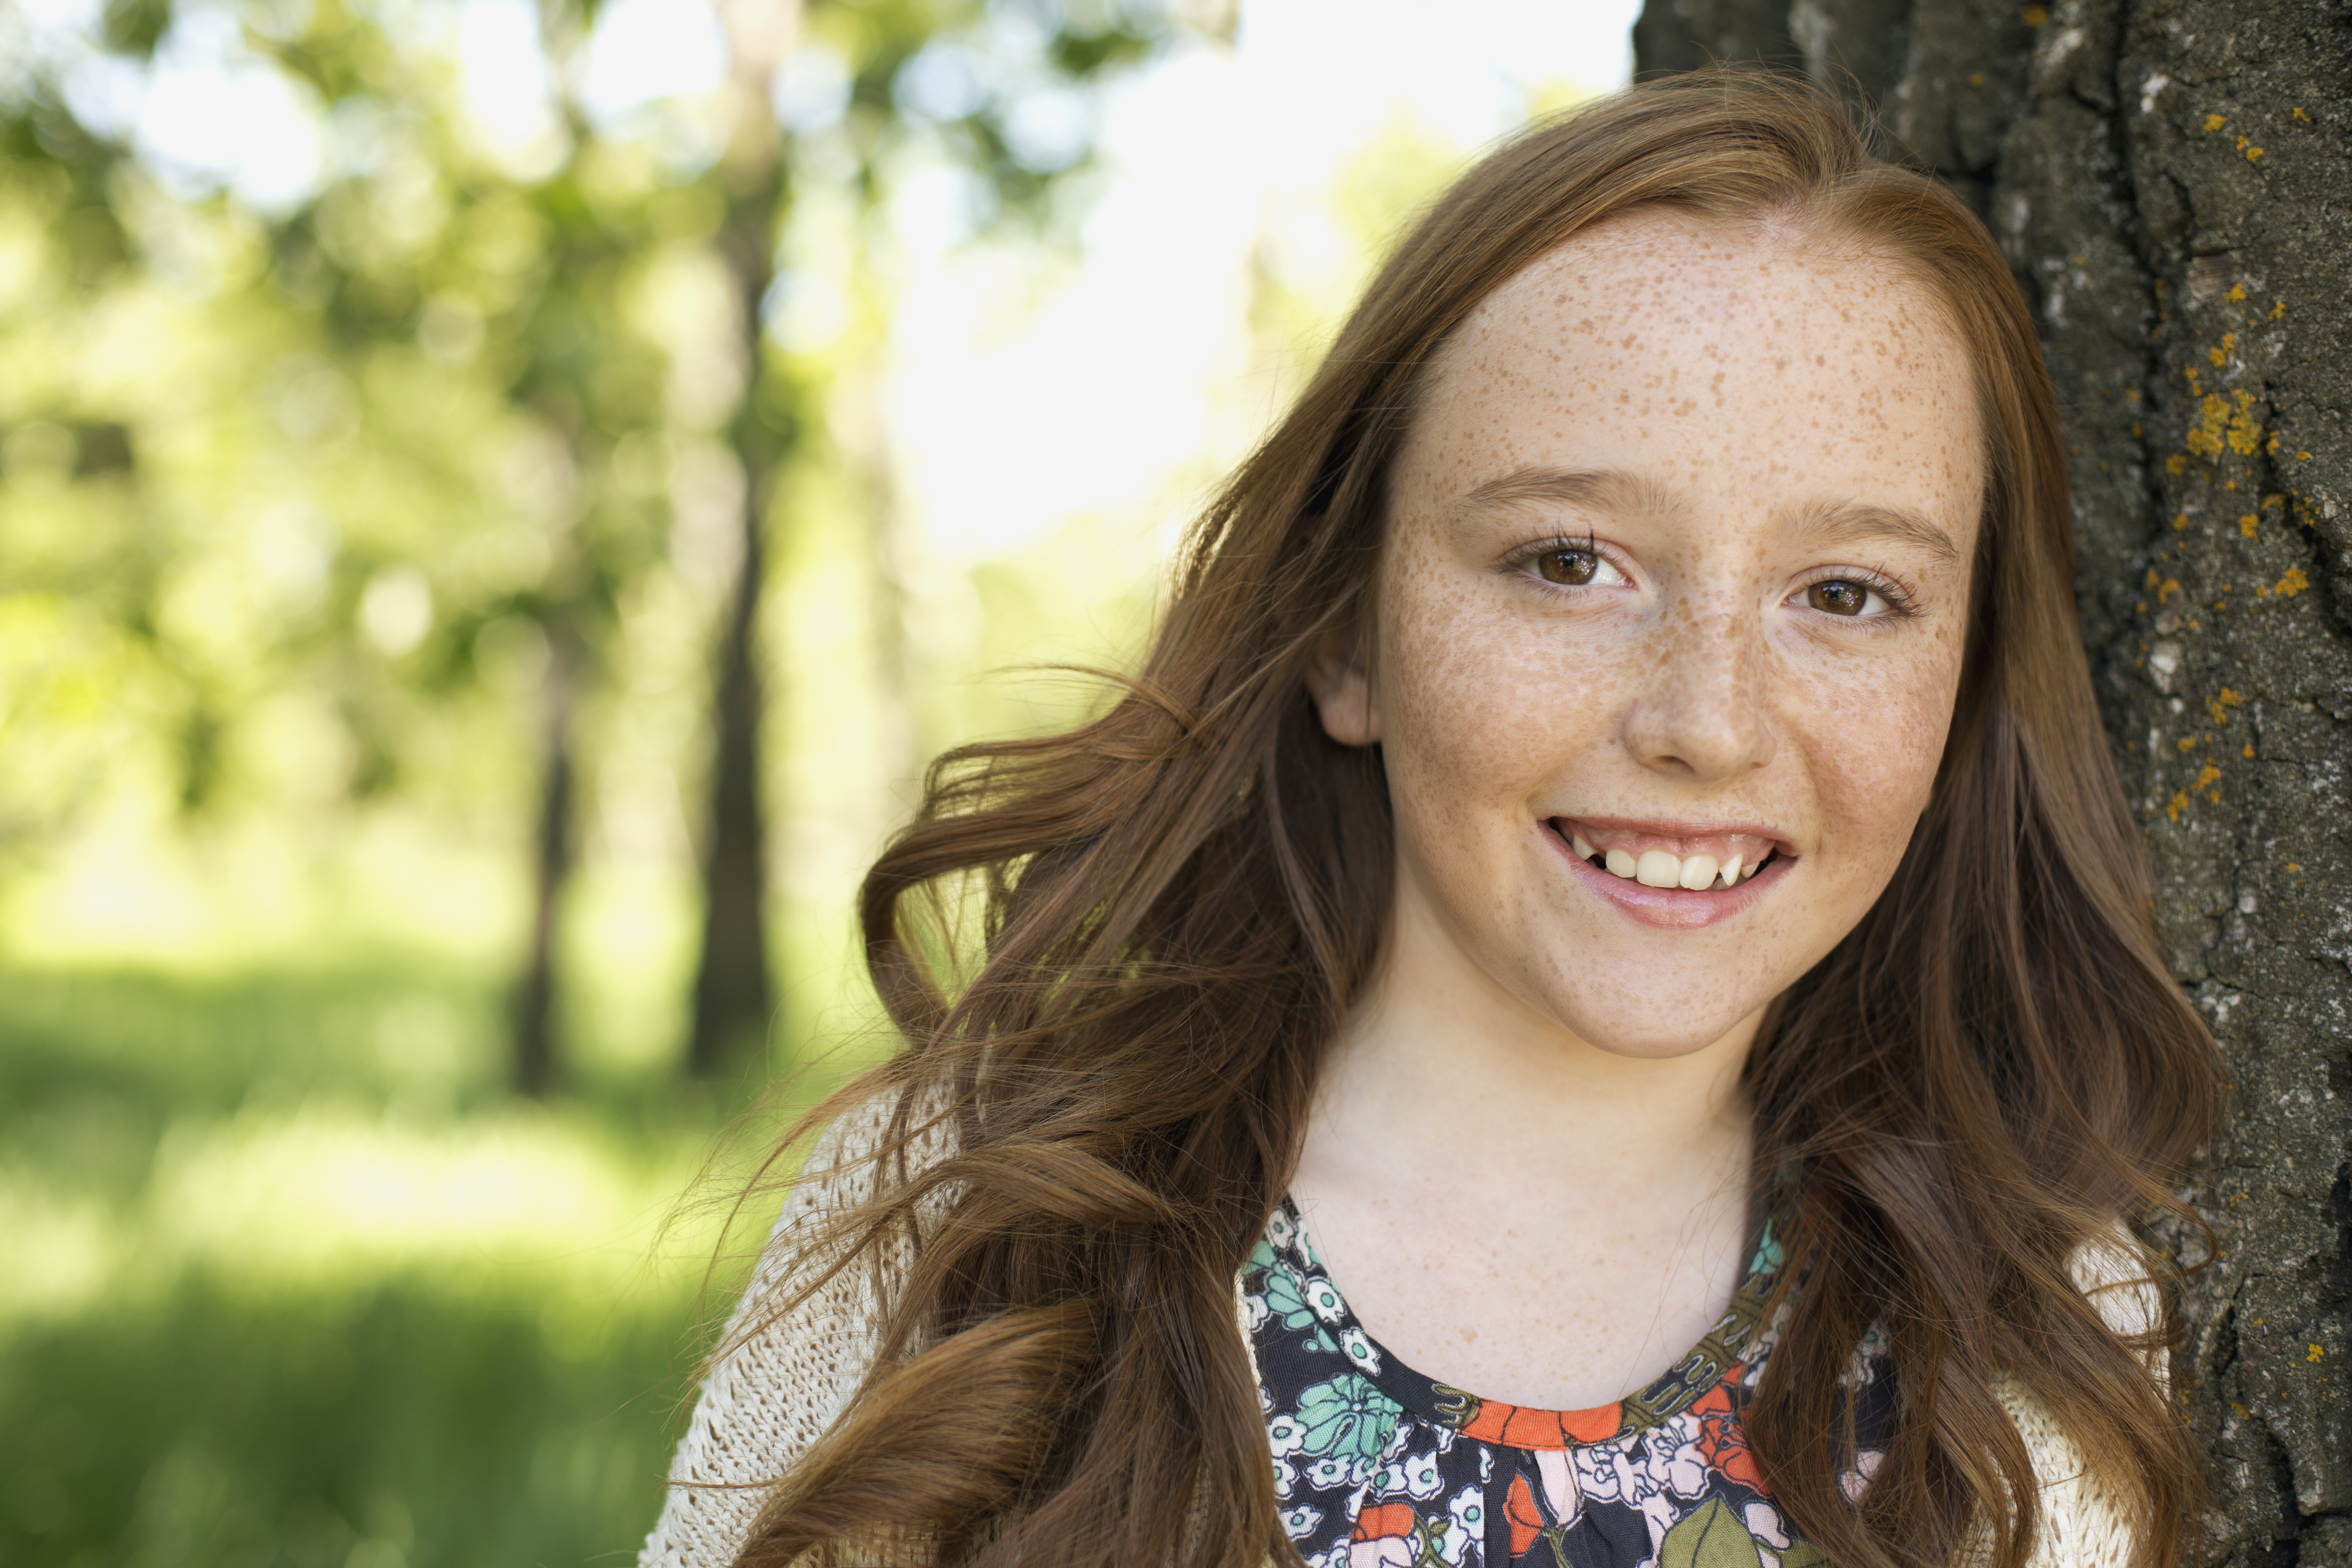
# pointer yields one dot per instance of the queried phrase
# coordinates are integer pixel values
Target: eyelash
(1900, 604)
(1523, 560)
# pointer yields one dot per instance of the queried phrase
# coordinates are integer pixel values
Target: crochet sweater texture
(775, 1391)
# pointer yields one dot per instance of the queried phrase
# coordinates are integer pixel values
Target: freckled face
(1676, 571)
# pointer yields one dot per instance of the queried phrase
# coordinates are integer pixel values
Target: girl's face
(1669, 624)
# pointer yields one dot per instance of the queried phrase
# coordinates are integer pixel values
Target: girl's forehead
(1655, 280)
(1757, 358)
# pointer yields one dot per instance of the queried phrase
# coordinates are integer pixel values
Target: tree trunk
(2169, 179)
(734, 997)
(535, 1054)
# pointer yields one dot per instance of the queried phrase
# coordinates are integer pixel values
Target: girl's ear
(1342, 689)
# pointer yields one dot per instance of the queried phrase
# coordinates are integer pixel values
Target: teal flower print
(1347, 1418)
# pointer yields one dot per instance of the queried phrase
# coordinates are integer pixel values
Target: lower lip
(1675, 909)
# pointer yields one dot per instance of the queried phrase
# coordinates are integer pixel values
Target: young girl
(1593, 1002)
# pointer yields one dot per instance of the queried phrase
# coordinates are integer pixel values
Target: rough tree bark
(2170, 180)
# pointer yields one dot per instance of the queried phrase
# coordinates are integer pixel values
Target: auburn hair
(1118, 955)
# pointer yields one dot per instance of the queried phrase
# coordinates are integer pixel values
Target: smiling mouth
(1714, 862)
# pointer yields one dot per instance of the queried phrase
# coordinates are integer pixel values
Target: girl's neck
(1434, 1042)
(1511, 1209)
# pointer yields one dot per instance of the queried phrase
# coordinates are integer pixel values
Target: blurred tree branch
(384, 473)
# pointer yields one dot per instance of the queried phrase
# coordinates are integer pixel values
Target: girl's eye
(1840, 597)
(1573, 568)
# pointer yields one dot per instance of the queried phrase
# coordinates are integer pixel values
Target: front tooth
(1698, 872)
(1731, 872)
(1621, 863)
(1656, 868)
(1577, 842)
(1753, 869)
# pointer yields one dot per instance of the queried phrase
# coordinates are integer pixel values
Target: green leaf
(1714, 1537)
(1804, 1555)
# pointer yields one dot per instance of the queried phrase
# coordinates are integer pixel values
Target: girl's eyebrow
(1610, 489)
(1614, 489)
(1851, 522)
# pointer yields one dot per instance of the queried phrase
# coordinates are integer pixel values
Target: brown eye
(1834, 598)
(1572, 567)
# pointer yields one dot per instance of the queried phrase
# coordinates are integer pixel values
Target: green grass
(204, 1426)
(289, 1279)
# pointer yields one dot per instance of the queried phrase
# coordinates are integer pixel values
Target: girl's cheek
(1874, 740)
(1492, 693)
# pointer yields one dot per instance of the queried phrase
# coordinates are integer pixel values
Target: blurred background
(499, 499)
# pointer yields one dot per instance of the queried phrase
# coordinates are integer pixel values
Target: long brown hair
(1118, 955)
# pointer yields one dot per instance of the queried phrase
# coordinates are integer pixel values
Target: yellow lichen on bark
(2206, 440)
(2245, 433)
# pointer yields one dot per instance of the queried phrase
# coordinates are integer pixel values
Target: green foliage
(444, 393)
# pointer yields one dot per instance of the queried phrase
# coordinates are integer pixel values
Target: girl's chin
(1677, 1040)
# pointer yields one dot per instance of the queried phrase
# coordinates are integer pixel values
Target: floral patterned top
(1379, 1467)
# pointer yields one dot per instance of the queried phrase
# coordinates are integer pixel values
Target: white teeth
(1662, 868)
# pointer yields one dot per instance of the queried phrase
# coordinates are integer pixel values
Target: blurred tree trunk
(2169, 179)
(733, 996)
(534, 1021)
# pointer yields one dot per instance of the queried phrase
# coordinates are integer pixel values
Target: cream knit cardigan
(772, 1394)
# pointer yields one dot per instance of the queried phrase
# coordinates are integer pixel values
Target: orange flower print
(1520, 1511)
(1383, 1537)
(1516, 1427)
(1722, 1441)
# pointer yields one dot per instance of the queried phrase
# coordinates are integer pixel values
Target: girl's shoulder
(801, 1340)
(2082, 1523)
(2114, 1272)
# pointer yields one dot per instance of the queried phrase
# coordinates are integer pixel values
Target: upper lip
(1661, 828)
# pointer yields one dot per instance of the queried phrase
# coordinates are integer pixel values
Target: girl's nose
(1701, 713)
